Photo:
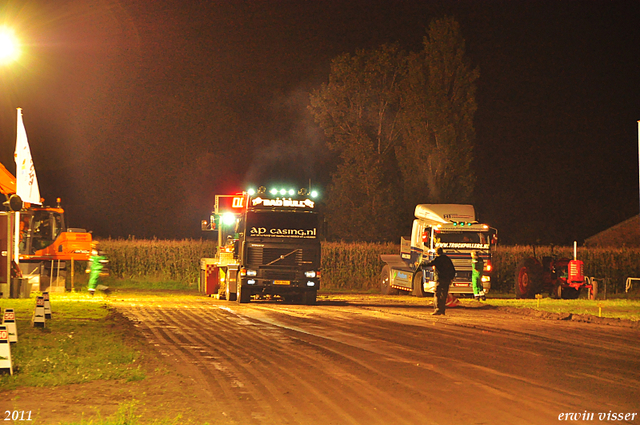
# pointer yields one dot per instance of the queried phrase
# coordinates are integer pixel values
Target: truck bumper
(274, 287)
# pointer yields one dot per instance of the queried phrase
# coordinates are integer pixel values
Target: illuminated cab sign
(283, 202)
(230, 203)
(462, 245)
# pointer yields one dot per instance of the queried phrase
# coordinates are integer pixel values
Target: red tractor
(559, 277)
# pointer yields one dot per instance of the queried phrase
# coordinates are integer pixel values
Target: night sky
(138, 112)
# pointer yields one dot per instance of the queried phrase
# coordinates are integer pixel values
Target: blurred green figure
(97, 268)
(476, 276)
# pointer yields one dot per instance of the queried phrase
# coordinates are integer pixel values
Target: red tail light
(487, 266)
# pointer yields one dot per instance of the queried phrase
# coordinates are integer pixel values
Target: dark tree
(437, 119)
(358, 110)
(403, 126)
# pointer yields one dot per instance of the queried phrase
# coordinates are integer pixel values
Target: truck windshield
(278, 224)
(460, 239)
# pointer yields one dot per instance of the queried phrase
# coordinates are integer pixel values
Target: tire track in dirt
(231, 379)
(288, 364)
(297, 359)
(336, 393)
(540, 396)
(223, 394)
(238, 366)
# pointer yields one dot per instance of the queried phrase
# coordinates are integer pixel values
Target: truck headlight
(310, 274)
(247, 272)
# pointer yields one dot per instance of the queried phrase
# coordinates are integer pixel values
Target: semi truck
(452, 227)
(268, 246)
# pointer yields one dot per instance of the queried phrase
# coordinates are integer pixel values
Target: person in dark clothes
(445, 272)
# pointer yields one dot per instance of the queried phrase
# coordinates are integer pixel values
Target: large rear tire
(244, 296)
(418, 288)
(385, 282)
(528, 278)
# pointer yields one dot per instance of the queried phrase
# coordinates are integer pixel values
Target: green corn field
(352, 266)
(155, 259)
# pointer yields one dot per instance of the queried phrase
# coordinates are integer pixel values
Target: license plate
(282, 282)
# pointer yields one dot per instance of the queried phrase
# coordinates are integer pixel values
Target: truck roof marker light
(314, 193)
(251, 192)
(292, 192)
(283, 191)
(273, 191)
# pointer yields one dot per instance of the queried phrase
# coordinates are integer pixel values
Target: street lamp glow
(9, 46)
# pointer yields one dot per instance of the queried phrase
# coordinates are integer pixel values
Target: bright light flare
(9, 46)
(228, 219)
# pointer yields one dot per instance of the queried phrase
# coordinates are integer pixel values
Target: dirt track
(373, 362)
(355, 360)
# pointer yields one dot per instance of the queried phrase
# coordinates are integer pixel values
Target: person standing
(445, 272)
(476, 275)
(96, 265)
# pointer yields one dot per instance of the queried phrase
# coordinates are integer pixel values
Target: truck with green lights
(268, 245)
(452, 227)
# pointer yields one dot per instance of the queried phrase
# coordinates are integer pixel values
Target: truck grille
(463, 276)
(279, 257)
(279, 275)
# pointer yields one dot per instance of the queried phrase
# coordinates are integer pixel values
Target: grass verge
(84, 341)
(127, 414)
(628, 309)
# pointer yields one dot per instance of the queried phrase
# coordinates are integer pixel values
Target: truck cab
(452, 227)
(268, 245)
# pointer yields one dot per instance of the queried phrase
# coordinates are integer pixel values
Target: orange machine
(43, 234)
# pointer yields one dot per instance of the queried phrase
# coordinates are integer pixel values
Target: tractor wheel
(570, 293)
(418, 288)
(593, 291)
(385, 282)
(557, 292)
(528, 278)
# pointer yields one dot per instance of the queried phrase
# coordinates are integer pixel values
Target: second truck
(452, 227)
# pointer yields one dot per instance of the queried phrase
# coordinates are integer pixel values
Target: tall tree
(437, 119)
(403, 125)
(358, 110)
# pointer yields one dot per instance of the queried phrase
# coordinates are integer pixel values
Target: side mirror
(14, 203)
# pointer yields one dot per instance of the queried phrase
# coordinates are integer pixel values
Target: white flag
(26, 180)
